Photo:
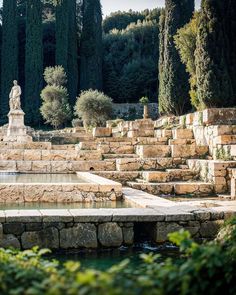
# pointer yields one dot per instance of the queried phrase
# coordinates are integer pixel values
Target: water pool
(40, 178)
(91, 205)
(104, 259)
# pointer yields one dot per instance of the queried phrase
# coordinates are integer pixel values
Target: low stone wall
(132, 111)
(92, 189)
(102, 228)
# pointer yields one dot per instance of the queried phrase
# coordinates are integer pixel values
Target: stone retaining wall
(96, 228)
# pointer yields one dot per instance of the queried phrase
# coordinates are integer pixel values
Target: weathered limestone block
(162, 229)
(210, 229)
(13, 228)
(8, 241)
(141, 132)
(128, 234)
(11, 155)
(222, 116)
(110, 234)
(233, 188)
(11, 193)
(86, 145)
(81, 235)
(156, 176)
(153, 151)
(182, 134)
(102, 132)
(186, 151)
(46, 238)
(128, 164)
(225, 139)
(32, 155)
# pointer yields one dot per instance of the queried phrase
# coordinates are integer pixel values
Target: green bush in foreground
(201, 269)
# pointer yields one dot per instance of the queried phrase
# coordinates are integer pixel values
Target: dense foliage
(215, 54)
(202, 269)
(91, 46)
(33, 61)
(185, 41)
(9, 50)
(173, 79)
(174, 85)
(55, 107)
(130, 61)
(94, 108)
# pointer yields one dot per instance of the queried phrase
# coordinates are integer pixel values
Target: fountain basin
(82, 187)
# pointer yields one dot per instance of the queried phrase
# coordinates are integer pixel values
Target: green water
(38, 206)
(104, 259)
(40, 178)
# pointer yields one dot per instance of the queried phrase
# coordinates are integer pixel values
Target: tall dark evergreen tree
(72, 66)
(67, 43)
(9, 60)
(62, 33)
(215, 54)
(173, 79)
(91, 46)
(33, 61)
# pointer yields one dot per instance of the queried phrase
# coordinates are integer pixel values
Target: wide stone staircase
(191, 156)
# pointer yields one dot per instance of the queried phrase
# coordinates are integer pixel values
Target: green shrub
(55, 76)
(144, 100)
(55, 108)
(94, 108)
(208, 268)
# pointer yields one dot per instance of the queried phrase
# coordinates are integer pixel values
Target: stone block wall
(102, 228)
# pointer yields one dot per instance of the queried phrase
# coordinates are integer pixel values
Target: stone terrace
(192, 155)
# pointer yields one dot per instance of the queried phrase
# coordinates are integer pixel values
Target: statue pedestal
(16, 131)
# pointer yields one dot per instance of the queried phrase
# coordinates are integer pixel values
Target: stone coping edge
(116, 215)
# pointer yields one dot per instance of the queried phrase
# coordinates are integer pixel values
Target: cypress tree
(173, 79)
(67, 44)
(72, 53)
(9, 60)
(62, 32)
(33, 61)
(91, 46)
(213, 54)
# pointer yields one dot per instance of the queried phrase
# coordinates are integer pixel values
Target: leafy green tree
(185, 41)
(94, 108)
(173, 79)
(9, 60)
(62, 33)
(213, 66)
(129, 62)
(91, 46)
(55, 107)
(33, 61)
(73, 74)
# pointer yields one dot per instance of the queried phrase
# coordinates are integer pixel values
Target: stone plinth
(16, 131)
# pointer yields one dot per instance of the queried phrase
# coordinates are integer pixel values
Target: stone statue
(14, 96)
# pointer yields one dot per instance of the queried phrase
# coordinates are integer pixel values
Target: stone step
(152, 140)
(183, 134)
(169, 175)
(152, 151)
(57, 166)
(163, 133)
(189, 151)
(225, 139)
(120, 176)
(48, 155)
(86, 145)
(25, 146)
(116, 148)
(119, 156)
(200, 189)
(64, 147)
(181, 141)
(152, 164)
